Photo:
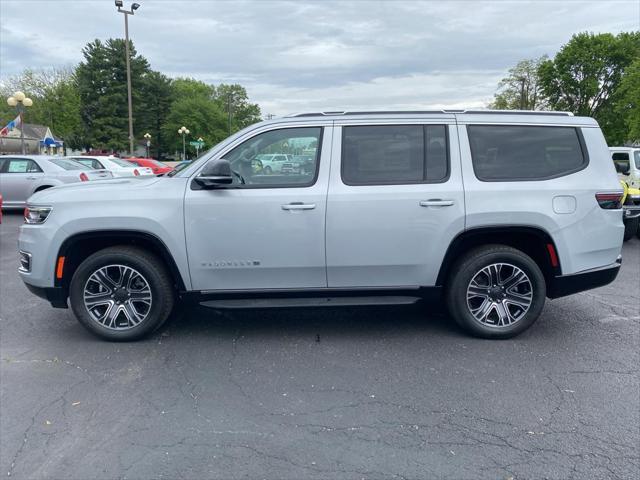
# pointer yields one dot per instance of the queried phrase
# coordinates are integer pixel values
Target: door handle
(299, 206)
(32, 178)
(436, 202)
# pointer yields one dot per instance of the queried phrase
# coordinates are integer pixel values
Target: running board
(310, 302)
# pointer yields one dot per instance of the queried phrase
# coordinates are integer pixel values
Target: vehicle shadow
(365, 321)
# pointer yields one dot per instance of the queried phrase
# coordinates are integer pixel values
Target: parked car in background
(627, 163)
(274, 162)
(117, 166)
(383, 217)
(158, 168)
(23, 175)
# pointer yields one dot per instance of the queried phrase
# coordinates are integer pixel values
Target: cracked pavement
(393, 392)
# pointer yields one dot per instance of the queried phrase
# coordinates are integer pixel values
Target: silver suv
(492, 212)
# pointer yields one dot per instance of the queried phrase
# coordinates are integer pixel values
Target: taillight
(610, 201)
(83, 177)
(136, 172)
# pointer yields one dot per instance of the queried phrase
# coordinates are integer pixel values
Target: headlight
(36, 215)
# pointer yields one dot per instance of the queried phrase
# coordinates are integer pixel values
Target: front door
(266, 230)
(18, 177)
(395, 203)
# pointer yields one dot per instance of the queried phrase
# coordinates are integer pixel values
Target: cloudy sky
(301, 55)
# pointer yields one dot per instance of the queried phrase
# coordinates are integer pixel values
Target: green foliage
(102, 86)
(628, 102)
(194, 108)
(55, 102)
(234, 98)
(156, 97)
(584, 75)
(520, 89)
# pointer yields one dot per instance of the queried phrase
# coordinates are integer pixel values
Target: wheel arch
(533, 241)
(79, 246)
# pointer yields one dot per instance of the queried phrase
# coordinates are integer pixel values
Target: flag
(15, 123)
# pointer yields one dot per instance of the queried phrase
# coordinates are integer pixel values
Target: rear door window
(394, 154)
(525, 152)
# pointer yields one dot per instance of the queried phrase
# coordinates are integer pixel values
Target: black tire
(267, 170)
(631, 228)
(153, 272)
(470, 266)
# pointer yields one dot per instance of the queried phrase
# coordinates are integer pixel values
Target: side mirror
(215, 173)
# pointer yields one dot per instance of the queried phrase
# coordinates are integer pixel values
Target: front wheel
(121, 293)
(496, 291)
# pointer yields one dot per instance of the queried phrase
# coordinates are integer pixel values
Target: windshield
(122, 163)
(68, 164)
(156, 163)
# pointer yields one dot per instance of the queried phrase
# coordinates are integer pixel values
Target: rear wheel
(121, 293)
(495, 291)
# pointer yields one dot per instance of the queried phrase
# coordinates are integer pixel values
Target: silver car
(23, 175)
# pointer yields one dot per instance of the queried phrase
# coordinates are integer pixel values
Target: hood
(117, 187)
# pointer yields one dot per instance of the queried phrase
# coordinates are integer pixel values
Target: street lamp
(20, 101)
(183, 131)
(148, 137)
(198, 146)
(134, 7)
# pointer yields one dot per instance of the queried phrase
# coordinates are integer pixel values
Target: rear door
(395, 202)
(18, 179)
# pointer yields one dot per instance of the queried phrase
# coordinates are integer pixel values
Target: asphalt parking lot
(322, 393)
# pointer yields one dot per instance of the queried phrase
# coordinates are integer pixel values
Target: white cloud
(301, 55)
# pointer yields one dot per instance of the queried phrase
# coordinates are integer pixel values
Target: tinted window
(513, 152)
(266, 160)
(394, 154)
(621, 161)
(20, 165)
(637, 158)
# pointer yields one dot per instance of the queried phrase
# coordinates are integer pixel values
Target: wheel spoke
(515, 279)
(518, 299)
(98, 299)
(102, 278)
(476, 291)
(126, 275)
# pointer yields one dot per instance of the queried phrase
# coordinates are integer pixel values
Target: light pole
(229, 100)
(134, 7)
(183, 131)
(198, 145)
(148, 137)
(20, 101)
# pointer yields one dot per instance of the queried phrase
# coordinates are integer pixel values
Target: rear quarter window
(525, 153)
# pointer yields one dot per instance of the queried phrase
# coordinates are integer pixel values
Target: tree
(194, 108)
(521, 90)
(56, 102)
(628, 102)
(156, 97)
(234, 101)
(102, 86)
(584, 75)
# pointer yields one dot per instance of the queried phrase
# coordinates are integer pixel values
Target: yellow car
(631, 209)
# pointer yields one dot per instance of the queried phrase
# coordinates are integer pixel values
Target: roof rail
(419, 112)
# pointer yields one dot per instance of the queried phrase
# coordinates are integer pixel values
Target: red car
(158, 168)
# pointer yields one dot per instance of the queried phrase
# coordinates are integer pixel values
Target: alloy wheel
(117, 297)
(499, 295)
